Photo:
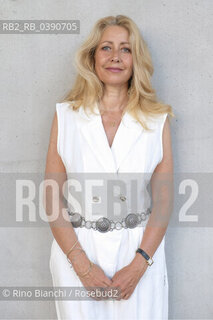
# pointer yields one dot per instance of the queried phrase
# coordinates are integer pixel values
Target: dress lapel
(126, 136)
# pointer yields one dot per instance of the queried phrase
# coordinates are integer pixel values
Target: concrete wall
(37, 70)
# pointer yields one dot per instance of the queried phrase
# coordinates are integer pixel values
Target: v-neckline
(104, 131)
(116, 133)
(110, 156)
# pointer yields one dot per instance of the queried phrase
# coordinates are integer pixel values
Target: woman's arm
(162, 195)
(162, 198)
(62, 230)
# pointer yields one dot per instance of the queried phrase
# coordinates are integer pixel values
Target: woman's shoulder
(65, 108)
(65, 113)
(154, 121)
(64, 105)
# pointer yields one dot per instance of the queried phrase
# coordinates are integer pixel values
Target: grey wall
(36, 72)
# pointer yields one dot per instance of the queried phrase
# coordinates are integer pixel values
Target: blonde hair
(88, 89)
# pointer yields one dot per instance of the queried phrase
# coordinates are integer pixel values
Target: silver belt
(104, 224)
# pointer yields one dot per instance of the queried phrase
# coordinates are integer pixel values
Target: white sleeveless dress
(83, 146)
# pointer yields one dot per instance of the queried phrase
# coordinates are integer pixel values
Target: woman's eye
(105, 47)
(127, 49)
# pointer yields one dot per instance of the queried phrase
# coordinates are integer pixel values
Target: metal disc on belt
(76, 220)
(131, 220)
(103, 224)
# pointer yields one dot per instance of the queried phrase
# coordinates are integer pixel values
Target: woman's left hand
(128, 277)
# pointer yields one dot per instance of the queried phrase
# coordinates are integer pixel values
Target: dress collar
(128, 120)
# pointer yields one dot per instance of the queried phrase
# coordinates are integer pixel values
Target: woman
(111, 122)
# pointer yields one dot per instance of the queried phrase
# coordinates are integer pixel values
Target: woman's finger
(108, 282)
(126, 296)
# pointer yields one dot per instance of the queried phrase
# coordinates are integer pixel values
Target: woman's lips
(114, 69)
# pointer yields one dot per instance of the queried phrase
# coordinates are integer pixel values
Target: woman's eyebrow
(124, 42)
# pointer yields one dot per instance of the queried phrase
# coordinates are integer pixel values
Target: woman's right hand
(94, 278)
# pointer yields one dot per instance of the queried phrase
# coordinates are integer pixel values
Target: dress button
(123, 198)
(95, 199)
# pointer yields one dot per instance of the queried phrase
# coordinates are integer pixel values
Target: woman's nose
(115, 59)
(115, 55)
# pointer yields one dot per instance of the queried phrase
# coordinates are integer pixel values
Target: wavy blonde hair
(88, 89)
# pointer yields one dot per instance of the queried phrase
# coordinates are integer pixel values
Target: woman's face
(114, 51)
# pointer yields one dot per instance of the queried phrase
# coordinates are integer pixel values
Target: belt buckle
(103, 225)
(76, 220)
(131, 220)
